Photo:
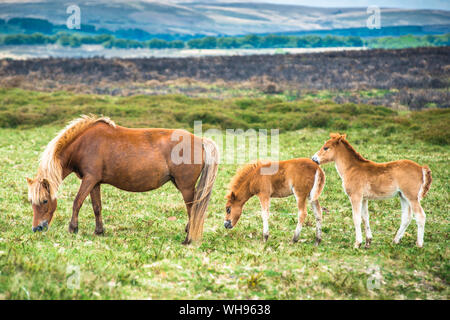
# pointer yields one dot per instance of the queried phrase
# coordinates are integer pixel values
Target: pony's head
(42, 201)
(328, 151)
(233, 210)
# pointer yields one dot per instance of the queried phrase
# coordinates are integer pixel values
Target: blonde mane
(242, 175)
(50, 167)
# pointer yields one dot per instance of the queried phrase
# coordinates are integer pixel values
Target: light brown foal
(300, 177)
(365, 180)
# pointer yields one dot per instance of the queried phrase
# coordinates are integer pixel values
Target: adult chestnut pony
(365, 180)
(135, 160)
(301, 177)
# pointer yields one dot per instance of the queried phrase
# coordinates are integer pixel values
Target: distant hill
(215, 17)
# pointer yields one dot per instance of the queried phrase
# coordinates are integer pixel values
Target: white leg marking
(356, 209)
(365, 217)
(406, 219)
(318, 214)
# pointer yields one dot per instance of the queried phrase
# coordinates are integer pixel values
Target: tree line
(241, 42)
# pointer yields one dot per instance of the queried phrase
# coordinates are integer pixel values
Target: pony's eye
(228, 210)
(325, 148)
(45, 201)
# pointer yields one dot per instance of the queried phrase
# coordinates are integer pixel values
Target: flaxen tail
(319, 183)
(203, 190)
(427, 179)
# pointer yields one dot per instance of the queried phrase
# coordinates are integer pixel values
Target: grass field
(141, 255)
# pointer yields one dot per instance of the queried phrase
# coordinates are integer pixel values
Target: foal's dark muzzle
(315, 159)
(227, 224)
(41, 226)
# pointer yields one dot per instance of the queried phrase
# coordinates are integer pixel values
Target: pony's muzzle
(41, 226)
(227, 224)
(315, 159)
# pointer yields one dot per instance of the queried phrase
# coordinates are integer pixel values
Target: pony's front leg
(265, 203)
(365, 217)
(97, 207)
(356, 201)
(86, 187)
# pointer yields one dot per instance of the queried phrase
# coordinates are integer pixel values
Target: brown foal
(136, 160)
(301, 177)
(365, 180)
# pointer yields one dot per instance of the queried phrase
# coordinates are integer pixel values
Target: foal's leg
(356, 201)
(365, 217)
(301, 204)
(406, 219)
(97, 207)
(318, 214)
(87, 184)
(420, 220)
(265, 204)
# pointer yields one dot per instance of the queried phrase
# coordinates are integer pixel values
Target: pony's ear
(29, 181)
(232, 196)
(334, 135)
(46, 184)
(343, 136)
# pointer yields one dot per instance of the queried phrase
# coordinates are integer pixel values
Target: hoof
(396, 241)
(99, 232)
(419, 245)
(294, 239)
(357, 245)
(265, 236)
(186, 241)
(73, 229)
(368, 242)
(318, 241)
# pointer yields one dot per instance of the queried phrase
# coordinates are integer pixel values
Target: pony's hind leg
(87, 184)
(188, 196)
(318, 214)
(420, 220)
(265, 204)
(406, 219)
(97, 207)
(365, 217)
(301, 204)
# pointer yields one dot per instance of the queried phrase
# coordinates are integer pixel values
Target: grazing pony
(137, 160)
(365, 180)
(301, 177)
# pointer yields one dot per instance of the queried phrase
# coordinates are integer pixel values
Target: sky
(410, 4)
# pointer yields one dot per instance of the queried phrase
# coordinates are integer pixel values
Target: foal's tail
(427, 179)
(319, 183)
(203, 190)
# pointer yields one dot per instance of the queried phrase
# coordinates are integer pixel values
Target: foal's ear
(343, 136)
(334, 135)
(231, 196)
(46, 184)
(29, 181)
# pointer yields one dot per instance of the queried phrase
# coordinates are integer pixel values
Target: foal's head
(42, 202)
(328, 152)
(233, 210)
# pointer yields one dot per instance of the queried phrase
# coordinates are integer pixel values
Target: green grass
(141, 255)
